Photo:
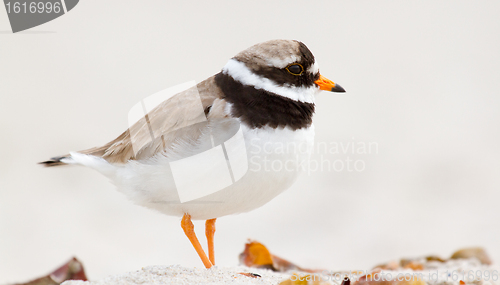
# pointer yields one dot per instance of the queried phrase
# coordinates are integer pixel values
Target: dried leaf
(477, 252)
(434, 258)
(71, 270)
(257, 255)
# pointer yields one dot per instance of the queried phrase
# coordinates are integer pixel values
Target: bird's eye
(295, 69)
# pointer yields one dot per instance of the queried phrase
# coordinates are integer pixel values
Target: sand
(176, 274)
(433, 273)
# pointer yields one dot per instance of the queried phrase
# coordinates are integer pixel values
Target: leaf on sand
(71, 270)
(476, 252)
(257, 255)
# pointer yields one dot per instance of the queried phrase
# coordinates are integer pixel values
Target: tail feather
(55, 161)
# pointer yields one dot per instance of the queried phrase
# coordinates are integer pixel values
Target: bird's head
(282, 67)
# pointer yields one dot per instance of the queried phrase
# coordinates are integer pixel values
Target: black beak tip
(338, 88)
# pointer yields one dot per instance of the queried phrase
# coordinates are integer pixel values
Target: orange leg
(210, 231)
(188, 228)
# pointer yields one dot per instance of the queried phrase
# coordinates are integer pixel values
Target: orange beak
(328, 85)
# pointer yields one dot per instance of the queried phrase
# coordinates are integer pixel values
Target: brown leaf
(434, 258)
(257, 255)
(477, 252)
(71, 270)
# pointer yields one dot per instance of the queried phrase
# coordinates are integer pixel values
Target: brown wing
(164, 126)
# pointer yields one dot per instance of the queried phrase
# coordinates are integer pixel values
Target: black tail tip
(55, 161)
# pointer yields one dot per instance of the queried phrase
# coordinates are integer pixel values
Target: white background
(422, 81)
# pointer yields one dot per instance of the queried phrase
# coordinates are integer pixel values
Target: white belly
(275, 158)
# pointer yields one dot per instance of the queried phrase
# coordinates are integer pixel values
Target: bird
(227, 145)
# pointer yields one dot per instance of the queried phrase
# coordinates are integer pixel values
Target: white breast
(275, 158)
